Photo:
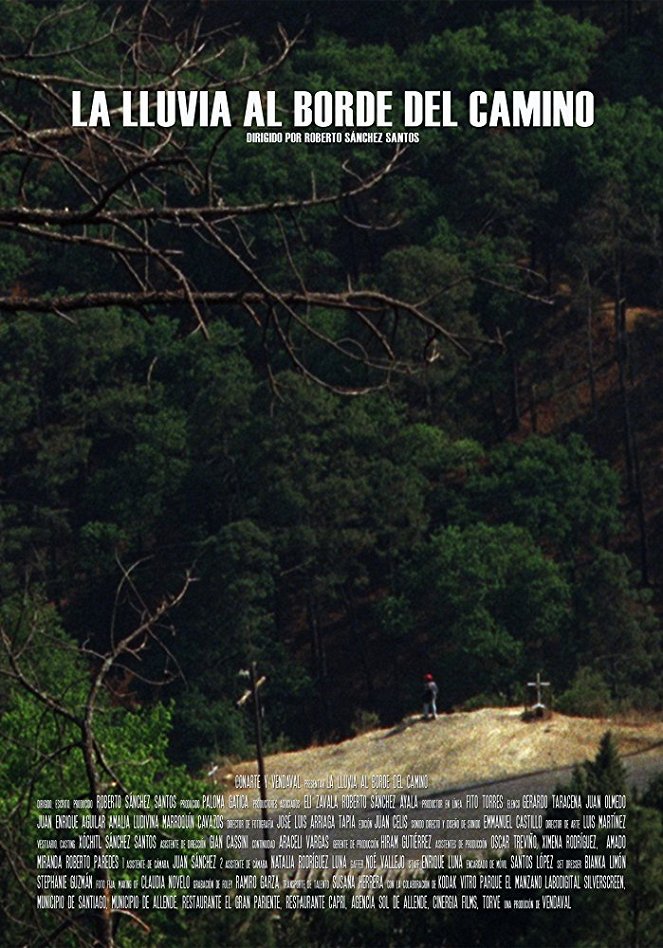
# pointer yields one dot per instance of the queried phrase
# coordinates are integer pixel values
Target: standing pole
(261, 760)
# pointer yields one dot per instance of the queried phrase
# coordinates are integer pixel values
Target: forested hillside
(352, 412)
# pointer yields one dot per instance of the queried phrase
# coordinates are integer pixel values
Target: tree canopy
(348, 412)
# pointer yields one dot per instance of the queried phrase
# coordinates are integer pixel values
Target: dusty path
(420, 780)
(460, 749)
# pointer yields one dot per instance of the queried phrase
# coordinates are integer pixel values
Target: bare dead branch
(144, 202)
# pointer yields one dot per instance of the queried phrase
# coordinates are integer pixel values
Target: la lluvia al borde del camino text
(339, 109)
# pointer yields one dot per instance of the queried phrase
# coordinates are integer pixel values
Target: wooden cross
(249, 691)
(538, 684)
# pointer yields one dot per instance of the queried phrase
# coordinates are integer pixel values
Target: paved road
(640, 769)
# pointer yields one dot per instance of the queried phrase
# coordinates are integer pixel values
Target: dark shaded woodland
(350, 412)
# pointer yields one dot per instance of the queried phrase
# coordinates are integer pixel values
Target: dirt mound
(458, 749)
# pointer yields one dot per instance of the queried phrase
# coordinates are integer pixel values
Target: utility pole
(254, 692)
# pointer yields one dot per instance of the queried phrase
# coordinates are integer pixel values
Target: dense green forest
(351, 412)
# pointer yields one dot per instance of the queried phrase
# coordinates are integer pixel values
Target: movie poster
(330, 489)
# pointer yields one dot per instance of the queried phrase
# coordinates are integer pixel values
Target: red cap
(428, 677)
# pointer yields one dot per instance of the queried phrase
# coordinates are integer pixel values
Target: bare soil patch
(460, 749)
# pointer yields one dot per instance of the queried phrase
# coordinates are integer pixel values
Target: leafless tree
(142, 202)
(25, 647)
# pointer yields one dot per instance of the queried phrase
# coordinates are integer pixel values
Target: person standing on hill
(430, 698)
